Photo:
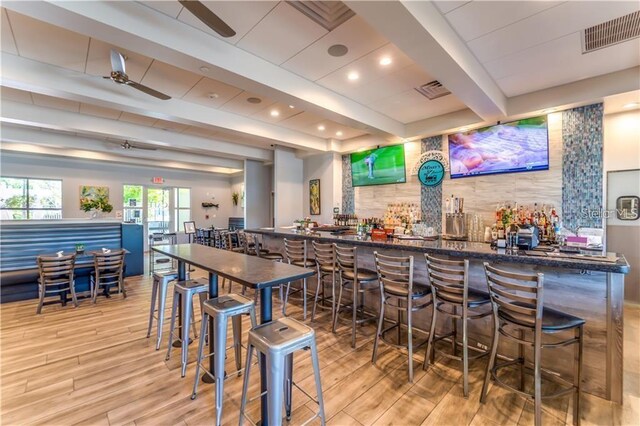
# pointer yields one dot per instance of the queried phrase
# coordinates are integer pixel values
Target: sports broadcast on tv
(518, 146)
(379, 166)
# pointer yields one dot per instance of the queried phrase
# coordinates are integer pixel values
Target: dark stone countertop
(479, 251)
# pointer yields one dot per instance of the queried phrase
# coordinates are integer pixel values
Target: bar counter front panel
(587, 288)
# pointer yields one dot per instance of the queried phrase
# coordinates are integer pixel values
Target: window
(182, 213)
(132, 203)
(26, 198)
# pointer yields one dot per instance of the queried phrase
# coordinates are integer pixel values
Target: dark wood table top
(250, 271)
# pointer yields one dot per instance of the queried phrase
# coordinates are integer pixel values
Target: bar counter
(588, 287)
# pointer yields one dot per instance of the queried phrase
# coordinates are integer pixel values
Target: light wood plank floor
(93, 365)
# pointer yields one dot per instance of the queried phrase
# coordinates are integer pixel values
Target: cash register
(528, 237)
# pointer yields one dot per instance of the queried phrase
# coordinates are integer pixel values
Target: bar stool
(56, 276)
(159, 288)
(361, 280)
(326, 267)
(400, 293)
(278, 340)
(517, 301)
(221, 309)
(109, 270)
(185, 290)
(452, 296)
(296, 253)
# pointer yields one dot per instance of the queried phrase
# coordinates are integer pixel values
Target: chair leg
(286, 300)
(275, 380)
(245, 384)
(304, 299)
(336, 310)
(219, 350)
(316, 373)
(152, 308)
(162, 301)
(537, 380)
(187, 311)
(410, 339)
(521, 358)
(428, 355)
(578, 377)
(41, 301)
(454, 327)
(356, 295)
(174, 311)
(236, 324)
(492, 359)
(288, 384)
(72, 286)
(203, 332)
(315, 299)
(374, 357)
(465, 354)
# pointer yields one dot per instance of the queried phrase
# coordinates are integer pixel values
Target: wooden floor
(93, 365)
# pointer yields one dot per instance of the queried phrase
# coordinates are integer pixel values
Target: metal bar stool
(109, 270)
(221, 309)
(185, 290)
(326, 266)
(159, 288)
(56, 276)
(361, 280)
(278, 340)
(517, 301)
(452, 296)
(296, 254)
(400, 293)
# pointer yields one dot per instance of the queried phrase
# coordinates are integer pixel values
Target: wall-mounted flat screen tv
(518, 146)
(379, 166)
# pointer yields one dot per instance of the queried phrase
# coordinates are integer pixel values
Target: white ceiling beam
(41, 137)
(142, 29)
(26, 74)
(422, 33)
(29, 149)
(38, 116)
(443, 123)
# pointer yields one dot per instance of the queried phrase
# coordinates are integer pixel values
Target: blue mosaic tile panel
(431, 197)
(348, 194)
(582, 167)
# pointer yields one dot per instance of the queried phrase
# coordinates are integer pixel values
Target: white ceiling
(524, 46)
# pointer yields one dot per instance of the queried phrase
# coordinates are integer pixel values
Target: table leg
(213, 292)
(265, 316)
(182, 275)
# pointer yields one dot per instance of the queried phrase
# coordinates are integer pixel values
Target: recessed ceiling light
(213, 96)
(321, 128)
(632, 105)
(338, 133)
(204, 69)
(253, 100)
(337, 50)
(385, 61)
(292, 106)
(275, 113)
(353, 76)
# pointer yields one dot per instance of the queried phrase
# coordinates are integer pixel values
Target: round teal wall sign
(431, 173)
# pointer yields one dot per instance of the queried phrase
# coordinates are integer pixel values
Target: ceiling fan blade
(117, 61)
(207, 17)
(148, 90)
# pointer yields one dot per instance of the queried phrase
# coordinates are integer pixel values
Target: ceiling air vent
(328, 14)
(433, 90)
(611, 32)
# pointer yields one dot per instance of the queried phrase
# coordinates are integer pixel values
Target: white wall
(237, 185)
(257, 179)
(288, 187)
(328, 168)
(622, 141)
(75, 173)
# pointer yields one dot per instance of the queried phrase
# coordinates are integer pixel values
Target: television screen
(378, 166)
(518, 146)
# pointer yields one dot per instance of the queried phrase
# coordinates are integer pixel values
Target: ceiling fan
(128, 145)
(207, 17)
(118, 75)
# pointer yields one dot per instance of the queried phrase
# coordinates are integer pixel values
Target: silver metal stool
(159, 294)
(221, 309)
(278, 340)
(186, 290)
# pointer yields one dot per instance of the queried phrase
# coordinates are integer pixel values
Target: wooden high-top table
(251, 271)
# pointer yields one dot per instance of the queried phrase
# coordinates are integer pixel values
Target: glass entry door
(158, 210)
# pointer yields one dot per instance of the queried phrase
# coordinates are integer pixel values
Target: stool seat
(227, 304)
(271, 256)
(310, 263)
(475, 298)
(552, 320)
(419, 290)
(363, 275)
(192, 284)
(328, 269)
(281, 334)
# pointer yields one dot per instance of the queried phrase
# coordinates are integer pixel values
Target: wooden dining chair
(56, 276)
(108, 271)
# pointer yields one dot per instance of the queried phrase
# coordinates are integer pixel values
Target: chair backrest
(157, 237)
(347, 259)
(251, 244)
(516, 296)
(109, 265)
(325, 254)
(295, 250)
(394, 271)
(448, 279)
(233, 240)
(56, 270)
(224, 240)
